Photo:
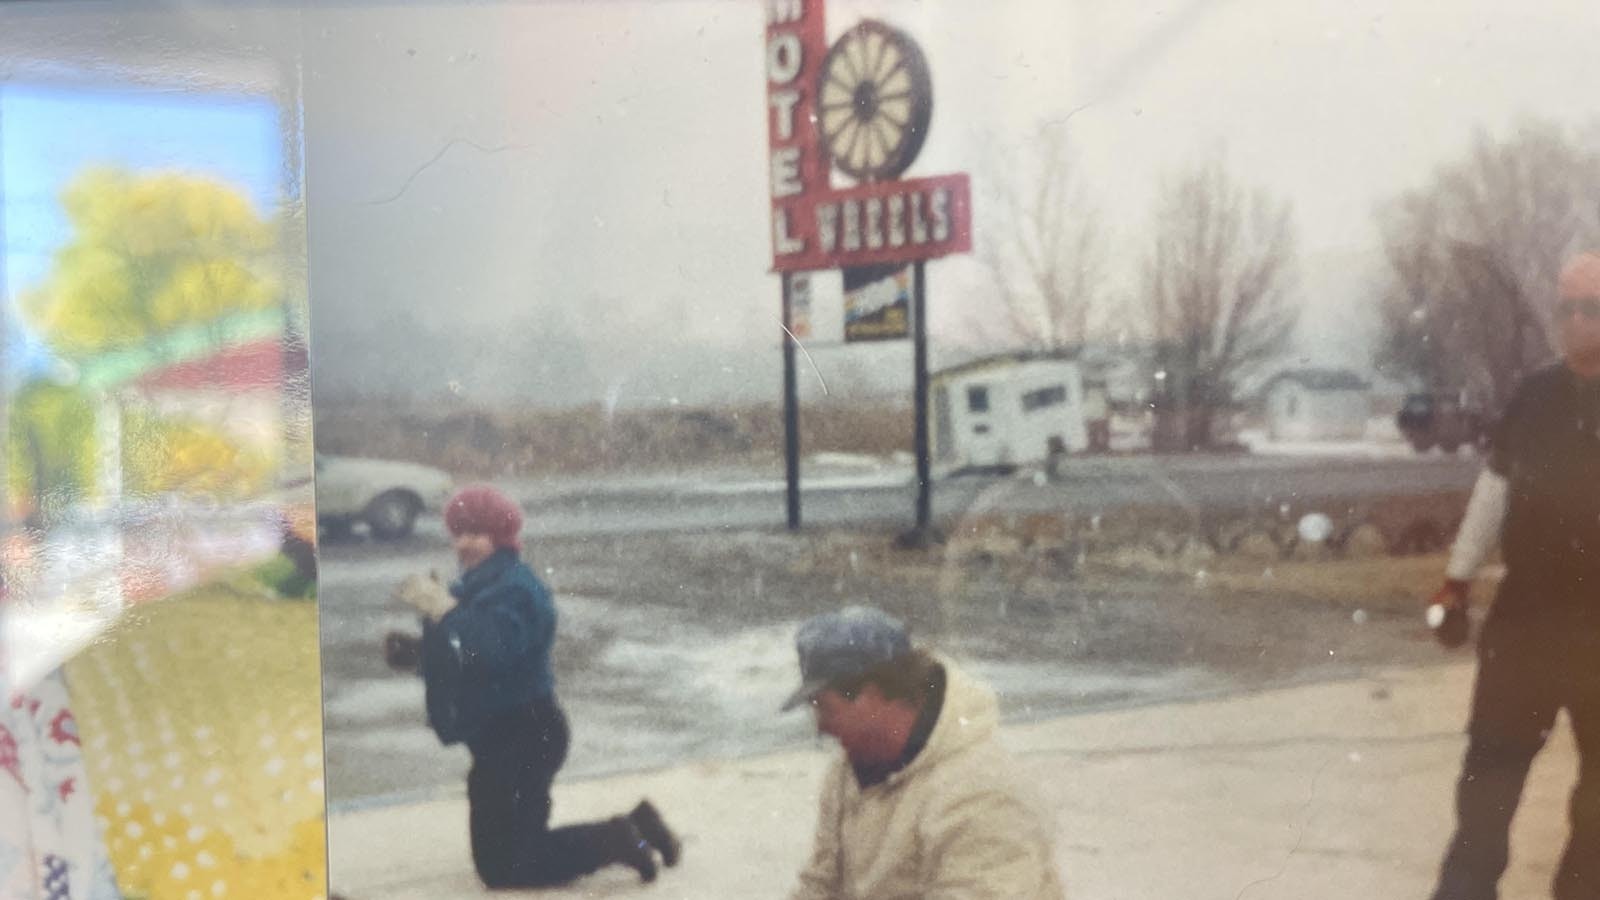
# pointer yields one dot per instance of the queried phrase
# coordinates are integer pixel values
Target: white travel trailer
(1006, 411)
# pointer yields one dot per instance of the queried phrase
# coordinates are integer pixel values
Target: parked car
(1440, 420)
(385, 495)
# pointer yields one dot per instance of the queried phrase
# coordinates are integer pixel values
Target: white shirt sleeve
(1480, 529)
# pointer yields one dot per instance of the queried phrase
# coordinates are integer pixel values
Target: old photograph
(805, 448)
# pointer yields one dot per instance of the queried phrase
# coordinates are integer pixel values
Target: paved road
(1089, 485)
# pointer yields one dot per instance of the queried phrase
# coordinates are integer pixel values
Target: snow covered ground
(1381, 441)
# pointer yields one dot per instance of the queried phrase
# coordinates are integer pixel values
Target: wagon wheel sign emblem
(876, 100)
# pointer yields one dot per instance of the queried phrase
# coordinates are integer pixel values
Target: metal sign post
(861, 108)
(919, 352)
(791, 409)
(796, 43)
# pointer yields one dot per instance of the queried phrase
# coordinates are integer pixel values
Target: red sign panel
(815, 227)
(891, 221)
(796, 45)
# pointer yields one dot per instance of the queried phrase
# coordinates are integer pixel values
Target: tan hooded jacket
(950, 826)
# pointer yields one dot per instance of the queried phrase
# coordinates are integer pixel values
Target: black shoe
(630, 848)
(650, 824)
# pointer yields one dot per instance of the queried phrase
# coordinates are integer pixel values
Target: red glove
(1447, 613)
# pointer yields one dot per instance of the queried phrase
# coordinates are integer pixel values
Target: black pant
(514, 762)
(1527, 672)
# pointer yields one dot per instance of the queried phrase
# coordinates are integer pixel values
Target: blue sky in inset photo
(49, 134)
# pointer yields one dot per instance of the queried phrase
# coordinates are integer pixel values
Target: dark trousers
(508, 789)
(1527, 672)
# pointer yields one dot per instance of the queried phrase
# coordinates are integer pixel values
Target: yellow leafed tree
(151, 253)
(49, 446)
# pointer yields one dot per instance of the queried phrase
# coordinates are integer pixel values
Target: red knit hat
(480, 509)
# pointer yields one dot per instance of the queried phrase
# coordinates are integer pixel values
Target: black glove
(403, 652)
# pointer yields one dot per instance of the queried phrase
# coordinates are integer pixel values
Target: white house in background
(238, 390)
(1317, 405)
(1006, 410)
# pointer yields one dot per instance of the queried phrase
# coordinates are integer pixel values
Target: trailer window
(1050, 396)
(977, 399)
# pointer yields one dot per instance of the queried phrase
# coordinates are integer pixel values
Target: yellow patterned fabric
(201, 725)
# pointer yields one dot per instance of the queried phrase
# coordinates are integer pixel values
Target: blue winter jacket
(490, 654)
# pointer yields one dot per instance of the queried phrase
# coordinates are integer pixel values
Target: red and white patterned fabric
(50, 842)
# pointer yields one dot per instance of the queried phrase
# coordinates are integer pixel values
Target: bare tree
(1046, 251)
(1473, 257)
(1418, 270)
(1215, 292)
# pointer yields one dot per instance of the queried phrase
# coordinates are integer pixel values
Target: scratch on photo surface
(1306, 813)
(406, 185)
(1052, 123)
(820, 379)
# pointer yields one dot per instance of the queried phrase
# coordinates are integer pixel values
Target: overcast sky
(562, 201)
(615, 198)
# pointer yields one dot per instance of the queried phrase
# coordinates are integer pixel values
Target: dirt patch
(491, 443)
(1229, 614)
(1388, 585)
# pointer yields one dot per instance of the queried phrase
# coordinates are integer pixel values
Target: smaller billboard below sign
(877, 302)
(800, 305)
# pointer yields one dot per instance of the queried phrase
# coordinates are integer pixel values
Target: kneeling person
(920, 804)
(484, 657)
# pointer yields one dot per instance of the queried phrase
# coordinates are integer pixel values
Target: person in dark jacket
(1539, 498)
(484, 656)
